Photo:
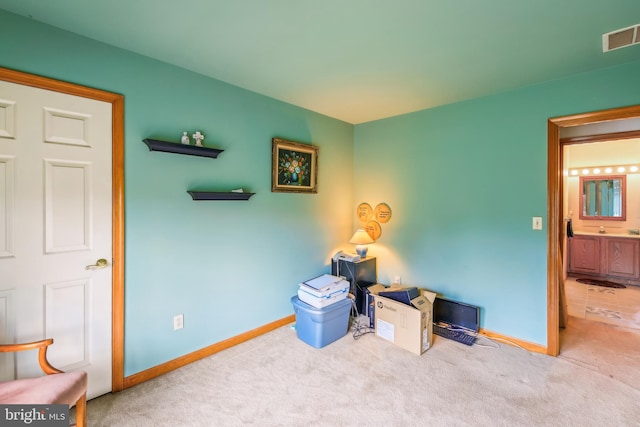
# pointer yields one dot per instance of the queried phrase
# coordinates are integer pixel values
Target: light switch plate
(537, 223)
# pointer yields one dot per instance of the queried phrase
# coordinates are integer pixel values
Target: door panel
(67, 206)
(55, 179)
(6, 206)
(66, 306)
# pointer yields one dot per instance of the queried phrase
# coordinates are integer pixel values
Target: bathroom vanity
(614, 256)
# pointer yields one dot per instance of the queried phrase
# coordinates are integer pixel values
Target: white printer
(324, 290)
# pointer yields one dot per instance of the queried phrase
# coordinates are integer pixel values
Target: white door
(55, 220)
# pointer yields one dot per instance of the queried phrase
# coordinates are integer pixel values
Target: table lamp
(361, 239)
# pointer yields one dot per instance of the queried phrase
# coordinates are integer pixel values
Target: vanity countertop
(595, 233)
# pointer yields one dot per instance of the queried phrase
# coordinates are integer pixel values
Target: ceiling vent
(621, 38)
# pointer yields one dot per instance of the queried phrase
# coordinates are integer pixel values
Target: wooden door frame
(554, 210)
(117, 178)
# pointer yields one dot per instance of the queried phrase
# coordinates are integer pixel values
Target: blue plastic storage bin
(321, 326)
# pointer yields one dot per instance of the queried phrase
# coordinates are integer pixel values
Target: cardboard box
(407, 326)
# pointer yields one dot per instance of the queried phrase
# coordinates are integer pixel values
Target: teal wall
(228, 266)
(464, 181)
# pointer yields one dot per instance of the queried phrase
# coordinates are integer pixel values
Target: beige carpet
(278, 380)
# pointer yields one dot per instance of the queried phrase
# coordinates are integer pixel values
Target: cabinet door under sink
(621, 257)
(584, 254)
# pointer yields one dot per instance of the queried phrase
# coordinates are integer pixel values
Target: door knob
(101, 263)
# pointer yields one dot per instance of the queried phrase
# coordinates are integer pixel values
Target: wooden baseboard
(536, 348)
(171, 365)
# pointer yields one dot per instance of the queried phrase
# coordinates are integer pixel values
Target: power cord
(352, 282)
(495, 344)
(360, 324)
(361, 327)
(504, 340)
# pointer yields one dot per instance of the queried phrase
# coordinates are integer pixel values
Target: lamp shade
(361, 237)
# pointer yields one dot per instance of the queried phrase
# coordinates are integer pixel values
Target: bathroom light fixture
(361, 239)
(596, 170)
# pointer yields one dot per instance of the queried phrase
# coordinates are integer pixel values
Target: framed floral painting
(294, 167)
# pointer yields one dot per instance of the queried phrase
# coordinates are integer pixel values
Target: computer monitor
(456, 313)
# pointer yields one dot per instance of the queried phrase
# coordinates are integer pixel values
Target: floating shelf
(213, 195)
(174, 147)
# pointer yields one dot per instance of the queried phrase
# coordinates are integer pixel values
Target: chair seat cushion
(66, 388)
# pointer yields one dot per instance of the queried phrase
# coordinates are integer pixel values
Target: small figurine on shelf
(198, 138)
(185, 138)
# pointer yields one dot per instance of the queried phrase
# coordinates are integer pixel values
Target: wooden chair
(56, 387)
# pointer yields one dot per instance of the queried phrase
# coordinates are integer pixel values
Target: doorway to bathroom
(557, 129)
(601, 208)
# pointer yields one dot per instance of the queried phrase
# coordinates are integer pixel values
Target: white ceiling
(357, 60)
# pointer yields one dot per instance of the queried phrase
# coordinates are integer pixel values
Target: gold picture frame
(294, 167)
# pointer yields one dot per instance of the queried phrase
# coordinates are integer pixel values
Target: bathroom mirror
(603, 197)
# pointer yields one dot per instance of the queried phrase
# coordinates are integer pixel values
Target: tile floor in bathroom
(614, 306)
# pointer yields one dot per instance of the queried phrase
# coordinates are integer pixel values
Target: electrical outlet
(397, 280)
(178, 322)
(537, 223)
